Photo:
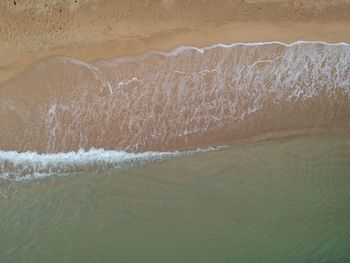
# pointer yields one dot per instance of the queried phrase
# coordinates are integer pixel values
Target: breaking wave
(31, 165)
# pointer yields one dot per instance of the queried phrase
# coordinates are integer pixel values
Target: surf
(179, 100)
(32, 165)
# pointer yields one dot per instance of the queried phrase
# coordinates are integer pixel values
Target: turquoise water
(278, 201)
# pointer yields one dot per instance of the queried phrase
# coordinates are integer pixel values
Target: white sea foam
(176, 51)
(32, 165)
(183, 98)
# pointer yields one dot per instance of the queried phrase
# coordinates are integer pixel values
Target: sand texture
(183, 99)
(79, 74)
(94, 29)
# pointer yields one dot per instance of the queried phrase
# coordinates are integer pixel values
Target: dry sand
(93, 29)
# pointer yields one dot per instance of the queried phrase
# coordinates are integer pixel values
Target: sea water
(284, 200)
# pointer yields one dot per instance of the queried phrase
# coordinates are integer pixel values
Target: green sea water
(277, 201)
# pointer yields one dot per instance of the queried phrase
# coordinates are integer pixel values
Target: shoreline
(145, 103)
(94, 29)
(25, 166)
(101, 31)
(242, 142)
(22, 68)
(14, 63)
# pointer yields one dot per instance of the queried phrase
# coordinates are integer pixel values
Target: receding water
(183, 99)
(277, 201)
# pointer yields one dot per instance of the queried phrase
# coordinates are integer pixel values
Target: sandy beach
(174, 131)
(67, 81)
(102, 29)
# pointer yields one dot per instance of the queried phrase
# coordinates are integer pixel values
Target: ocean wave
(183, 99)
(32, 165)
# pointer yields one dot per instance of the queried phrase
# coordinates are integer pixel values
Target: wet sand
(178, 100)
(34, 81)
(95, 29)
(278, 200)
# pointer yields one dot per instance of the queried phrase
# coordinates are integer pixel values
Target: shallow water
(178, 100)
(278, 201)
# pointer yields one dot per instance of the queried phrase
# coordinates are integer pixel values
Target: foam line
(179, 49)
(29, 165)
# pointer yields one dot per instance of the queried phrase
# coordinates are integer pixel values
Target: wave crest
(29, 165)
